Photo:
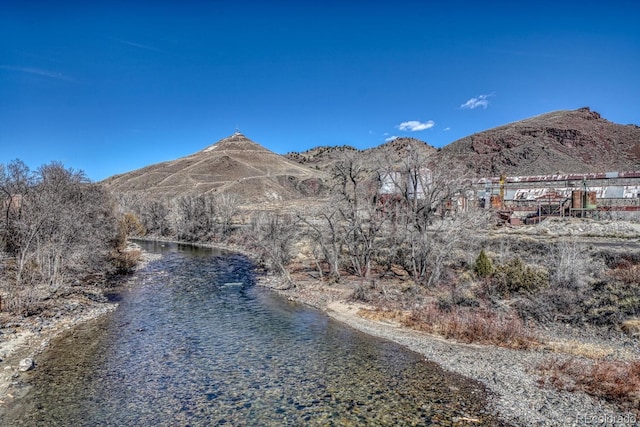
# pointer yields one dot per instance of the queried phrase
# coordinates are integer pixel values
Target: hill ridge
(558, 142)
(565, 141)
(233, 164)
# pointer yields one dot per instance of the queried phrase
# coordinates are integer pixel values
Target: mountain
(234, 164)
(575, 141)
(320, 157)
(323, 158)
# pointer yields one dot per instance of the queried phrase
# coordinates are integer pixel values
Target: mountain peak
(572, 141)
(236, 142)
(235, 165)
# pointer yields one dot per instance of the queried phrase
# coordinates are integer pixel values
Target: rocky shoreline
(512, 375)
(27, 339)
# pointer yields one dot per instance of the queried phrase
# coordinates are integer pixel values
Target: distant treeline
(357, 231)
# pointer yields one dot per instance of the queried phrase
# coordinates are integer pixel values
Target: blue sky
(111, 87)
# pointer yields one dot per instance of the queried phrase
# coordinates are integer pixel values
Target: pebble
(26, 364)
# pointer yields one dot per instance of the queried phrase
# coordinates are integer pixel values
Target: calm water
(195, 343)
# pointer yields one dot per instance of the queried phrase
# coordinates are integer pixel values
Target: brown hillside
(320, 157)
(234, 164)
(323, 158)
(398, 149)
(577, 141)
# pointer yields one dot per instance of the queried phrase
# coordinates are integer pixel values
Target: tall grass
(472, 325)
(615, 381)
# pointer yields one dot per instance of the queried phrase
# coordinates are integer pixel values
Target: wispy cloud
(415, 125)
(446, 129)
(479, 101)
(139, 45)
(38, 72)
(526, 53)
(391, 138)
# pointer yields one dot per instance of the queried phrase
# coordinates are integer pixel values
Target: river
(195, 343)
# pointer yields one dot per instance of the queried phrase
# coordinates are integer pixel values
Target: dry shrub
(131, 225)
(473, 325)
(627, 273)
(631, 327)
(615, 381)
(611, 302)
(614, 259)
(361, 293)
(21, 301)
(517, 277)
(125, 260)
(380, 315)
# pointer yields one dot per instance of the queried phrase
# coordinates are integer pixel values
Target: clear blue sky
(110, 87)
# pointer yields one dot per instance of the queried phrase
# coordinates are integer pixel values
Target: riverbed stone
(26, 364)
(631, 327)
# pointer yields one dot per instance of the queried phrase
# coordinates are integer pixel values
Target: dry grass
(577, 348)
(389, 316)
(615, 381)
(24, 301)
(462, 324)
(631, 327)
(627, 272)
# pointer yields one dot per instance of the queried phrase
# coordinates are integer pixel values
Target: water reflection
(194, 342)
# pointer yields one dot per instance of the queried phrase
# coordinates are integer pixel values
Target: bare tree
(421, 201)
(226, 208)
(194, 217)
(154, 215)
(359, 224)
(16, 181)
(324, 231)
(189, 217)
(63, 225)
(274, 235)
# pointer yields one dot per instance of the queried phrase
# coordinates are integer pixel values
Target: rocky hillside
(323, 158)
(320, 157)
(234, 164)
(563, 141)
(574, 141)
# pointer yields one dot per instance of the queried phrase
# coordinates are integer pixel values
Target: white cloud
(479, 101)
(414, 125)
(446, 129)
(391, 138)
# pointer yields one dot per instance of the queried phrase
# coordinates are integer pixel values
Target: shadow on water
(194, 342)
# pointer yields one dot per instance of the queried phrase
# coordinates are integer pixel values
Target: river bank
(512, 375)
(27, 337)
(286, 365)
